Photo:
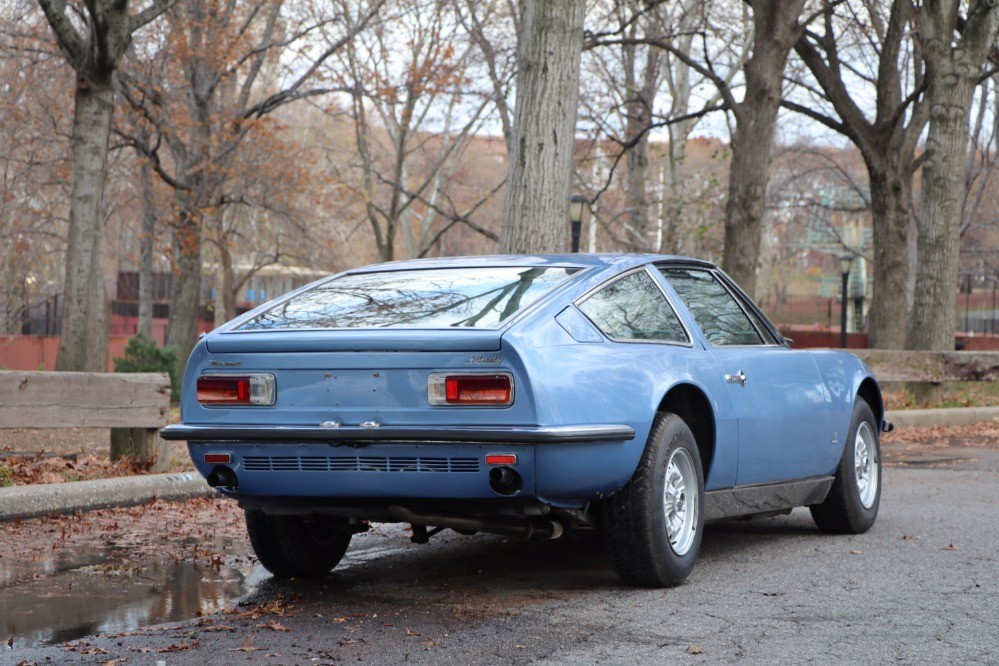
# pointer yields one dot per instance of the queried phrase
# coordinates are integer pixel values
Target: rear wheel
(294, 546)
(852, 504)
(653, 525)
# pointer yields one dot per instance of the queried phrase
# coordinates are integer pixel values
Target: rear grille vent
(358, 464)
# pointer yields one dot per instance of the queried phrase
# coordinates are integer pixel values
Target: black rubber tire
(634, 519)
(842, 512)
(293, 547)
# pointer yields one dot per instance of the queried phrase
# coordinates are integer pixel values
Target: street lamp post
(844, 268)
(577, 205)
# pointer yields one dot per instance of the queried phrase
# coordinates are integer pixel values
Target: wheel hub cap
(866, 465)
(680, 510)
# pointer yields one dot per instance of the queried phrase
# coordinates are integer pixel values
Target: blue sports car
(640, 395)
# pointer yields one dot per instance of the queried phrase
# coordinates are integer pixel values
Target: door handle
(739, 378)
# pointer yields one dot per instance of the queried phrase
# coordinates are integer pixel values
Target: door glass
(712, 306)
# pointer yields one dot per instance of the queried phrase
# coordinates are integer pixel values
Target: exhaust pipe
(505, 481)
(521, 529)
(222, 476)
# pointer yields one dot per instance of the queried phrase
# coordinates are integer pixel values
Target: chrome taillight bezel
(437, 389)
(262, 389)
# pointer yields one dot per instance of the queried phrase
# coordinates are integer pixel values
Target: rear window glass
(432, 298)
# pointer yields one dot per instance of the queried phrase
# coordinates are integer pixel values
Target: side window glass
(713, 308)
(633, 308)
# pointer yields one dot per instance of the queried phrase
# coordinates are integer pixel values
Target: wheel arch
(871, 394)
(692, 405)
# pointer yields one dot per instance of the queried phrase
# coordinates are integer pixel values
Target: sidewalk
(43, 499)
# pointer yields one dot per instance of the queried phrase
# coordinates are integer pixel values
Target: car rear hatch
(370, 379)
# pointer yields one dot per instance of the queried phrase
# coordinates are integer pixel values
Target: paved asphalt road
(922, 586)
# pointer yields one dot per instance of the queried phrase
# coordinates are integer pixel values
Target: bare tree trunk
(147, 241)
(953, 73)
(226, 290)
(934, 308)
(536, 208)
(776, 29)
(185, 289)
(94, 56)
(887, 142)
(638, 114)
(83, 345)
(890, 197)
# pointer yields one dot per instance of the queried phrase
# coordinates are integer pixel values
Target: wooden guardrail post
(924, 373)
(134, 406)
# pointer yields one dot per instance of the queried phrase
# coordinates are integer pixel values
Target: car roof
(580, 260)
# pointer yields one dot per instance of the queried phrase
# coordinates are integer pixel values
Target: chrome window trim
(744, 300)
(620, 276)
(524, 311)
(715, 273)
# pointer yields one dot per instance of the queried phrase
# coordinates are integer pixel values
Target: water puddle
(85, 592)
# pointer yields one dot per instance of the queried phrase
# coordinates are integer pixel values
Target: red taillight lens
(501, 459)
(218, 458)
(492, 389)
(223, 390)
(253, 389)
(478, 390)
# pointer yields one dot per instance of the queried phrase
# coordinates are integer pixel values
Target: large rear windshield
(432, 298)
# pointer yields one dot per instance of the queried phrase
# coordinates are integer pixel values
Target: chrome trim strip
(503, 434)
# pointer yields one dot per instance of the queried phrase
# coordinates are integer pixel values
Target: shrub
(142, 354)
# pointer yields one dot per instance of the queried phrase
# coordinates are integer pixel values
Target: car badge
(479, 359)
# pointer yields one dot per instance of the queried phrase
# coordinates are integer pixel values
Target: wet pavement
(74, 594)
(921, 586)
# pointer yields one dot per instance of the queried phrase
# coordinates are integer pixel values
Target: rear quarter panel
(611, 382)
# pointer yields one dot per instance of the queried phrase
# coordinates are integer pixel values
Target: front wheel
(653, 525)
(296, 546)
(853, 501)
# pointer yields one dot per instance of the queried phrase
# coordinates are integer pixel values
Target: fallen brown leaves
(177, 647)
(204, 532)
(983, 435)
(39, 468)
(280, 607)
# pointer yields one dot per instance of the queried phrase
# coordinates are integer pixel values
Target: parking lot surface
(921, 586)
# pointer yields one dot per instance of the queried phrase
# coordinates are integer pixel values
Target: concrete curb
(43, 499)
(951, 416)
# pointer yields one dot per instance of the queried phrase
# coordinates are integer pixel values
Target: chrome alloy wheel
(680, 501)
(866, 464)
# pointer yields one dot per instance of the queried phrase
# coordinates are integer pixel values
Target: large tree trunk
(954, 70)
(776, 31)
(83, 345)
(934, 311)
(185, 291)
(536, 208)
(890, 196)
